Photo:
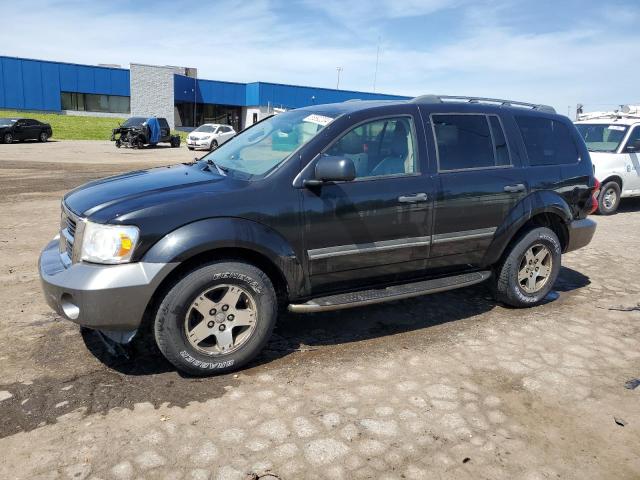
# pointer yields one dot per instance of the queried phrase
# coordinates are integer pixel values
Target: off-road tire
(604, 206)
(169, 324)
(507, 288)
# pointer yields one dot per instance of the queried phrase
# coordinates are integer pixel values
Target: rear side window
(163, 123)
(469, 142)
(548, 142)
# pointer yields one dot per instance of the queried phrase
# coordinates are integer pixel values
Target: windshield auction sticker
(318, 119)
(617, 127)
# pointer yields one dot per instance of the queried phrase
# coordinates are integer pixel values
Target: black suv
(24, 129)
(322, 208)
(137, 132)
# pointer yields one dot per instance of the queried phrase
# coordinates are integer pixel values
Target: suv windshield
(262, 147)
(134, 122)
(7, 122)
(602, 137)
(205, 128)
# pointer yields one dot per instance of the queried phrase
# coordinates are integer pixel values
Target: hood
(123, 193)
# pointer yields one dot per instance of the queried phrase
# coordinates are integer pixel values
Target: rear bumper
(103, 297)
(580, 233)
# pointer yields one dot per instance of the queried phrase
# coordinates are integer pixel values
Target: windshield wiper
(221, 170)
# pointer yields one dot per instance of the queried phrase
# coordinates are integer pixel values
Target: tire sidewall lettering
(208, 365)
(255, 286)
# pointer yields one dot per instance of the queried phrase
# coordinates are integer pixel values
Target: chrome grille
(68, 234)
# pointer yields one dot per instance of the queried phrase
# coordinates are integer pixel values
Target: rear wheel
(609, 198)
(217, 318)
(530, 269)
(43, 137)
(7, 138)
(190, 148)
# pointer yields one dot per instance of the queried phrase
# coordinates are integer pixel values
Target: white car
(209, 136)
(613, 140)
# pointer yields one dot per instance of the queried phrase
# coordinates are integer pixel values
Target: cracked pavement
(452, 385)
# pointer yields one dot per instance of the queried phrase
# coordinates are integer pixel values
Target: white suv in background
(209, 136)
(613, 140)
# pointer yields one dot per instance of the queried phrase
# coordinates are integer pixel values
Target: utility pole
(375, 74)
(339, 69)
(195, 98)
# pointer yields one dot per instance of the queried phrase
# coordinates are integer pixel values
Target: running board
(388, 294)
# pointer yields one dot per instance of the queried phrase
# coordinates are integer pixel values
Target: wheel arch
(613, 178)
(232, 238)
(540, 209)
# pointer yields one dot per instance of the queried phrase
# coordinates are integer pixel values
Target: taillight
(594, 196)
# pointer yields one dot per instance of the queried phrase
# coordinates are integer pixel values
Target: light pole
(195, 95)
(339, 69)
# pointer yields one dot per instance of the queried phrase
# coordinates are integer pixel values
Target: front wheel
(609, 198)
(214, 145)
(530, 269)
(216, 318)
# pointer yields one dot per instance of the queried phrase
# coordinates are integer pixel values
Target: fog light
(70, 309)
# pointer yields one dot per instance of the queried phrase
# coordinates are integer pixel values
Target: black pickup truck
(323, 208)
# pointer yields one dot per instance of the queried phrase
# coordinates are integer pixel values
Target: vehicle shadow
(629, 205)
(303, 332)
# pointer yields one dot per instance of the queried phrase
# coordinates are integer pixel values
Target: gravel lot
(446, 386)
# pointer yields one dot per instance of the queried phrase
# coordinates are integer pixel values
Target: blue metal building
(42, 85)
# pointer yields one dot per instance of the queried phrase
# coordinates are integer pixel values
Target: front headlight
(108, 243)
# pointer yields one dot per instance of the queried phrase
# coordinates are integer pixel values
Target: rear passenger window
(547, 142)
(468, 142)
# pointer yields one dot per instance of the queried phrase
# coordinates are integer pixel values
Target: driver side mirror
(333, 169)
(634, 147)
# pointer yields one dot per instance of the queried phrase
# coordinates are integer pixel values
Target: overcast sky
(559, 52)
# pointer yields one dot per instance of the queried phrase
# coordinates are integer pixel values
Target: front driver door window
(370, 227)
(379, 148)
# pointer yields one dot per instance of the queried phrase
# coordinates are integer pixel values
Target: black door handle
(418, 197)
(519, 187)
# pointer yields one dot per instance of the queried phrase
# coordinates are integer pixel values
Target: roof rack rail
(498, 101)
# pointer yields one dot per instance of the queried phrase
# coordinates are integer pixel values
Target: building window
(88, 102)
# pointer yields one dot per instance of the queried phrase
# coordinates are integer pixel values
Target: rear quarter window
(547, 142)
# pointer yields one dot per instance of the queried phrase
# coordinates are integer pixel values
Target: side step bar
(388, 294)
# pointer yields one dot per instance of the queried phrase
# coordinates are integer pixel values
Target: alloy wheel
(221, 319)
(535, 268)
(609, 198)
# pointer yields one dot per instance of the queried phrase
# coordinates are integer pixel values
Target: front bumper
(103, 297)
(580, 233)
(199, 143)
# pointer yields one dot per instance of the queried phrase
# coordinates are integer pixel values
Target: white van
(613, 140)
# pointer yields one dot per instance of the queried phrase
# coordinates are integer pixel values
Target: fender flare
(544, 201)
(211, 234)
